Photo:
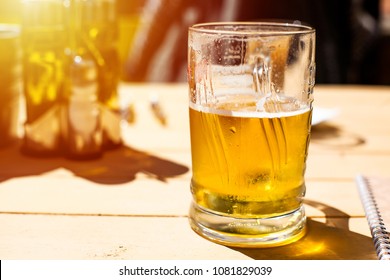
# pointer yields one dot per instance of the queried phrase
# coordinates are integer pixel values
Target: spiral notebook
(375, 195)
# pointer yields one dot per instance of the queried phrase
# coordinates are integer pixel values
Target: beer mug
(250, 108)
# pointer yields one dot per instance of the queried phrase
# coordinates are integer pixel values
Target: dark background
(351, 47)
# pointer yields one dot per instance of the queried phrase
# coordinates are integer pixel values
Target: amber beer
(246, 163)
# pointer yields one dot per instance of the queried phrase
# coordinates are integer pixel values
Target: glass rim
(263, 28)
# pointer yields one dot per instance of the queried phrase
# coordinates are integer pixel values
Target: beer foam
(248, 114)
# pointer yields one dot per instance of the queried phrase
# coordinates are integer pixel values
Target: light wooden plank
(70, 237)
(347, 166)
(75, 195)
(147, 132)
(62, 192)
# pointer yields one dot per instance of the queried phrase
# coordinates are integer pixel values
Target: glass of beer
(250, 108)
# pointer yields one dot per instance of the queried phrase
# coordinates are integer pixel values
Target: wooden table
(133, 202)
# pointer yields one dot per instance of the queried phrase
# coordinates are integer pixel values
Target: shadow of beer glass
(331, 240)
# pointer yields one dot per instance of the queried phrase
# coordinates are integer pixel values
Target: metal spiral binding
(378, 230)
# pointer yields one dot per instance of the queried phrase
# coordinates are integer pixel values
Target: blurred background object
(10, 83)
(99, 29)
(43, 43)
(10, 11)
(10, 72)
(375, 68)
(352, 42)
(70, 74)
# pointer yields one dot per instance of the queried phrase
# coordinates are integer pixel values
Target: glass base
(248, 232)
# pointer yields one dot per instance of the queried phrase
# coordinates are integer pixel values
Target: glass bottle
(82, 128)
(43, 41)
(100, 28)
